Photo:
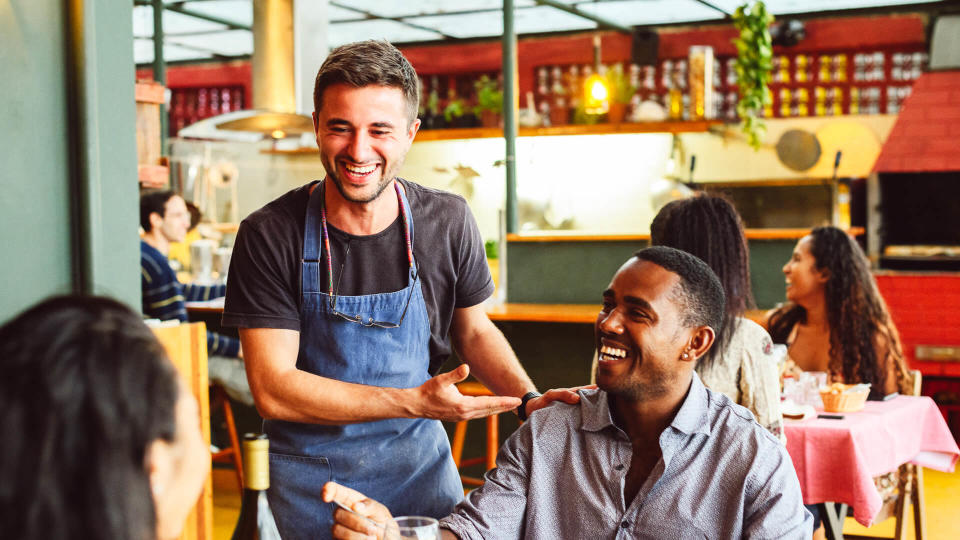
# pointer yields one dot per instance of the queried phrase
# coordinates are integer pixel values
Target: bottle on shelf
(559, 114)
(675, 98)
(256, 520)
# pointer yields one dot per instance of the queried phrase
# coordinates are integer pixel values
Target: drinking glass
(418, 528)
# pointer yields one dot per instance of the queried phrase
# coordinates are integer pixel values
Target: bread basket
(836, 398)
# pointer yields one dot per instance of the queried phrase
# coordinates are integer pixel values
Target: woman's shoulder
(767, 317)
(752, 338)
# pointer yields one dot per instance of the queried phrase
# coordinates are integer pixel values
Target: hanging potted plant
(489, 106)
(753, 65)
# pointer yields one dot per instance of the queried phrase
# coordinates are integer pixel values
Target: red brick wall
(926, 310)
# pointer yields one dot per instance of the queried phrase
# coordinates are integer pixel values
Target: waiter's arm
(482, 346)
(283, 392)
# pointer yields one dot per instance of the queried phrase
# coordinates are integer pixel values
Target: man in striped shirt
(165, 219)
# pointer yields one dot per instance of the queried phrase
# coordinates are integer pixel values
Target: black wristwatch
(522, 410)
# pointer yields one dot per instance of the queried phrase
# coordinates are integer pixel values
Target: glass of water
(418, 528)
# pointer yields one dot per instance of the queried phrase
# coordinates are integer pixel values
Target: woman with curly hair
(835, 319)
(741, 363)
(102, 438)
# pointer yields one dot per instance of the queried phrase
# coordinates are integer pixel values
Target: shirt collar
(691, 418)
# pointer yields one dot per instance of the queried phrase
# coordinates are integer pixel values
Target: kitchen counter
(577, 236)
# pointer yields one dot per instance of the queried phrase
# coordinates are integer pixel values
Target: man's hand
(369, 518)
(439, 399)
(566, 395)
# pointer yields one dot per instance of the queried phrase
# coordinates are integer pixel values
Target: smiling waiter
(347, 293)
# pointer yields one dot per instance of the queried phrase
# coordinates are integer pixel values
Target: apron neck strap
(317, 203)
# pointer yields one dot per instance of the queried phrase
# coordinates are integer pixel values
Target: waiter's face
(363, 134)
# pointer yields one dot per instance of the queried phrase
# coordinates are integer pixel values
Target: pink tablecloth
(836, 460)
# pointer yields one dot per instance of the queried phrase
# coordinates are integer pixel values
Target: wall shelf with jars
(830, 83)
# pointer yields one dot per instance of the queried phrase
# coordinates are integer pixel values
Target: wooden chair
(909, 491)
(232, 453)
(186, 345)
(489, 459)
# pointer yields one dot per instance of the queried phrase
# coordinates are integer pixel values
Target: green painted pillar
(511, 104)
(102, 145)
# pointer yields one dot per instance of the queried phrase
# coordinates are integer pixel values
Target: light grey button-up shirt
(562, 473)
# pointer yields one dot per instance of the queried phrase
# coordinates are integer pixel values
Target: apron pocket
(297, 506)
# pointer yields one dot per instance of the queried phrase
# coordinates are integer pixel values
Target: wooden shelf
(594, 129)
(573, 236)
(567, 313)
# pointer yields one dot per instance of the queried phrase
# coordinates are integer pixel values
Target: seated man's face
(640, 335)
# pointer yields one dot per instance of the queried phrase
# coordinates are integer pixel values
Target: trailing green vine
(753, 65)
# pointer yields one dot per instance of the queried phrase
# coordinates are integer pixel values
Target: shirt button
(625, 525)
(619, 467)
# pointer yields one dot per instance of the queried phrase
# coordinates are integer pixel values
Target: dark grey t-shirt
(263, 290)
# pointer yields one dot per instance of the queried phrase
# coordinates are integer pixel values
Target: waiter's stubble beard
(389, 174)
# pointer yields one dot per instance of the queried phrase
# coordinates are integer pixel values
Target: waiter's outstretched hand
(566, 395)
(367, 518)
(439, 399)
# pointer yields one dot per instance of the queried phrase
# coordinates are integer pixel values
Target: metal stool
(460, 434)
(231, 454)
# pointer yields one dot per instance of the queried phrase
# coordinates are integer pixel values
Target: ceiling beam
(602, 22)
(713, 7)
(369, 15)
(178, 8)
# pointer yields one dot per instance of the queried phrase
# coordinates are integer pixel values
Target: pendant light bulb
(597, 98)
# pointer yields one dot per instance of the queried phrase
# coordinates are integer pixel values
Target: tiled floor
(941, 490)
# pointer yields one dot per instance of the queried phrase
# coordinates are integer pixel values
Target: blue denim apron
(403, 463)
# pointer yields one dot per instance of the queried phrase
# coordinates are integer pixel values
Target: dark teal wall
(68, 209)
(577, 272)
(35, 200)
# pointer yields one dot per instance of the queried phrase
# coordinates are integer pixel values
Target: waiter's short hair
(365, 63)
(700, 292)
(153, 201)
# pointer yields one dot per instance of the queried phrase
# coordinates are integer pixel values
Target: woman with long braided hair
(741, 363)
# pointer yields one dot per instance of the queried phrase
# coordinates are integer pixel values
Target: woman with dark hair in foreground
(102, 439)
(835, 319)
(741, 363)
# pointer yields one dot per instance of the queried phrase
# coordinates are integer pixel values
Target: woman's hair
(708, 226)
(85, 389)
(856, 313)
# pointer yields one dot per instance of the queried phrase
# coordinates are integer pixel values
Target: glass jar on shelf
(675, 98)
(820, 101)
(786, 103)
(781, 66)
(836, 94)
(840, 68)
(801, 97)
(878, 66)
(859, 67)
(854, 100)
(731, 71)
(768, 104)
(801, 66)
(701, 82)
(899, 67)
(824, 73)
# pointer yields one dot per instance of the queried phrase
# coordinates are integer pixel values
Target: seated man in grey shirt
(651, 454)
